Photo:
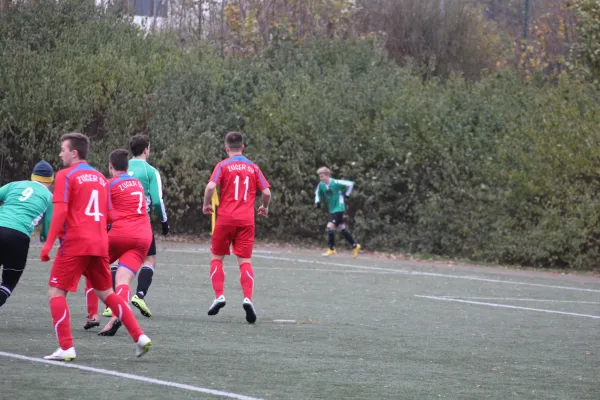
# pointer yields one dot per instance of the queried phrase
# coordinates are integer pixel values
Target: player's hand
(263, 211)
(207, 209)
(165, 228)
(318, 205)
(45, 253)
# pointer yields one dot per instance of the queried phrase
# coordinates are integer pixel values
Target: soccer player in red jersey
(129, 238)
(79, 220)
(239, 179)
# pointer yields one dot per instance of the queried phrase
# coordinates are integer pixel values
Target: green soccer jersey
(150, 179)
(334, 194)
(24, 205)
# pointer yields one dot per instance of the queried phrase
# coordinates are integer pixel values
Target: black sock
(10, 278)
(331, 235)
(113, 273)
(144, 280)
(3, 297)
(348, 237)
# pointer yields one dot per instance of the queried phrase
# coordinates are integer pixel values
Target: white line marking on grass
(509, 306)
(516, 299)
(130, 376)
(419, 273)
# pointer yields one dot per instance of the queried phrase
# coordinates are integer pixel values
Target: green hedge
(498, 170)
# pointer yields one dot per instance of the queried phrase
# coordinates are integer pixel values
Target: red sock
(217, 277)
(124, 292)
(121, 310)
(247, 279)
(61, 319)
(91, 300)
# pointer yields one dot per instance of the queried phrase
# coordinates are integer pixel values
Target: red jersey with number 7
(85, 190)
(127, 206)
(239, 179)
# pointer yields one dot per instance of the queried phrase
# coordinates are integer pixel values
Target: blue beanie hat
(43, 172)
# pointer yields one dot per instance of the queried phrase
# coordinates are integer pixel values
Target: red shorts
(241, 237)
(130, 251)
(66, 272)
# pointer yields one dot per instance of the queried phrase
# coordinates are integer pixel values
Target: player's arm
(348, 185)
(263, 186)
(60, 199)
(46, 222)
(4, 191)
(156, 195)
(318, 197)
(208, 195)
(215, 179)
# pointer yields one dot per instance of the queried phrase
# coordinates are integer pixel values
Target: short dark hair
(78, 141)
(234, 140)
(138, 144)
(119, 159)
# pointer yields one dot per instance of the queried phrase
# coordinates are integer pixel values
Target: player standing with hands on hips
(239, 179)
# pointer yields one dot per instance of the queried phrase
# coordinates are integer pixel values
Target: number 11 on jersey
(237, 187)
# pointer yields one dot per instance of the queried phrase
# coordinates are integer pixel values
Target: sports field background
(328, 328)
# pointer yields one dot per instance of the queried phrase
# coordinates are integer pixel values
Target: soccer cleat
(329, 252)
(355, 250)
(92, 322)
(217, 305)
(107, 312)
(112, 330)
(62, 355)
(250, 313)
(140, 304)
(142, 346)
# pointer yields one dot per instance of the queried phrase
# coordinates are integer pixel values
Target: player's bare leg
(61, 319)
(217, 279)
(122, 280)
(144, 280)
(247, 282)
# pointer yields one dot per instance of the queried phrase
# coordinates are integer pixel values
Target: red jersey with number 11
(85, 190)
(127, 206)
(239, 179)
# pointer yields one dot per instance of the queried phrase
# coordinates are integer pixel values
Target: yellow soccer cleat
(107, 312)
(355, 250)
(329, 252)
(140, 304)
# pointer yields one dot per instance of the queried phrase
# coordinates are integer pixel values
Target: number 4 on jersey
(92, 208)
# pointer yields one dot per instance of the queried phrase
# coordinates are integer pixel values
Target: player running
(79, 220)
(334, 191)
(239, 179)
(150, 178)
(24, 205)
(129, 238)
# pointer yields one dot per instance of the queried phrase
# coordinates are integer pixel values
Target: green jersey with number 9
(24, 205)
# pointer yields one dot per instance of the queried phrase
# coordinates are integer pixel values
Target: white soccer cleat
(249, 308)
(217, 305)
(142, 346)
(62, 355)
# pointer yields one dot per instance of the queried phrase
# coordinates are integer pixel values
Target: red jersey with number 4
(239, 179)
(127, 206)
(85, 190)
